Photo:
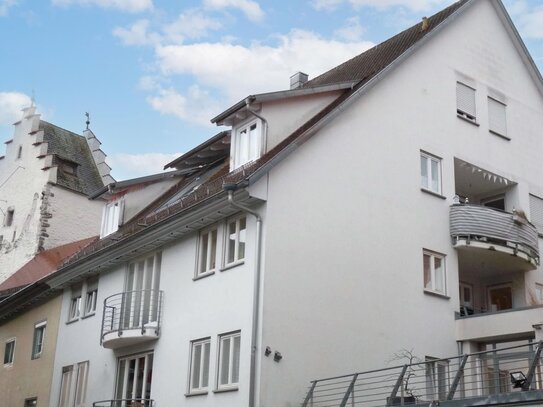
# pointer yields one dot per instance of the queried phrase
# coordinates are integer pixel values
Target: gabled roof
(68, 146)
(42, 264)
(367, 65)
(210, 151)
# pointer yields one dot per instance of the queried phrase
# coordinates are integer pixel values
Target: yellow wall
(28, 378)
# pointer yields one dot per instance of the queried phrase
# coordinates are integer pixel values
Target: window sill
(468, 120)
(226, 389)
(8, 365)
(71, 321)
(197, 393)
(90, 314)
(437, 294)
(232, 265)
(433, 193)
(35, 357)
(203, 275)
(499, 135)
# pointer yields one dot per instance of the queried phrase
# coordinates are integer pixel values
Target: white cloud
(131, 6)
(5, 5)
(531, 23)
(136, 34)
(352, 31)
(195, 105)
(11, 104)
(249, 7)
(414, 5)
(126, 166)
(190, 24)
(237, 71)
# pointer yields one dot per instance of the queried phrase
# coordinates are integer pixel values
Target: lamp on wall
(517, 379)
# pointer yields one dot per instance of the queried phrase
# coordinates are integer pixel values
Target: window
(434, 272)
(430, 172)
(9, 217)
(73, 387)
(75, 304)
(33, 402)
(229, 354)
(68, 167)
(91, 294)
(235, 242)
(465, 101)
(39, 337)
(199, 365)
(134, 379)
(536, 212)
(111, 218)
(207, 251)
(9, 352)
(496, 117)
(247, 144)
(500, 297)
(437, 372)
(539, 293)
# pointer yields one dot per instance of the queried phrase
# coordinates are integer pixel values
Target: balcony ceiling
(472, 180)
(483, 263)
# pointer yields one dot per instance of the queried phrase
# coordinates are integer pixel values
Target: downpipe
(230, 188)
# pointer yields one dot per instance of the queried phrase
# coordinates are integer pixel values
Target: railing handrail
(110, 402)
(130, 292)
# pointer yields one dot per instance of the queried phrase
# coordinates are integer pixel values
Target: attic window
(246, 144)
(111, 218)
(9, 217)
(465, 102)
(68, 167)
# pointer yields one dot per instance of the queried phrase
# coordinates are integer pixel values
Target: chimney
(298, 80)
(425, 24)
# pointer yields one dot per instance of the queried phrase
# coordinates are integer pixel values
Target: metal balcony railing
(132, 310)
(481, 223)
(482, 378)
(125, 403)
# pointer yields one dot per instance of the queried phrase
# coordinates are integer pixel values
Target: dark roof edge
(283, 94)
(199, 147)
(139, 180)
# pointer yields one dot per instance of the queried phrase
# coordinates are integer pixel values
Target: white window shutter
(536, 212)
(496, 117)
(465, 99)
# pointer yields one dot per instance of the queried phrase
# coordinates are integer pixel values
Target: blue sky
(153, 72)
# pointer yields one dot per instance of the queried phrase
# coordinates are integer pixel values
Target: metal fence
(125, 403)
(132, 310)
(515, 371)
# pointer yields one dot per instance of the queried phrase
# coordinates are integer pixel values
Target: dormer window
(246, 144)
(111, 218)
(68, 167)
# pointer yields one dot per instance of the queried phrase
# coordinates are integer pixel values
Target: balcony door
(500, 297)
(134, 376)
(142, 297)
(466, 299)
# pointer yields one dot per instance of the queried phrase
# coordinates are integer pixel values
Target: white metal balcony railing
(124, 403)
(500, 376)
(474, 223)
(134, 314)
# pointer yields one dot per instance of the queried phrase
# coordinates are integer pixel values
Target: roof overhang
(284, 94)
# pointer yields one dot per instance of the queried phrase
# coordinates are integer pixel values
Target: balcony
(504, 376)
(131, 318)
(503, 241)
(125, 403)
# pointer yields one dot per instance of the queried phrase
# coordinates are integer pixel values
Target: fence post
(348, 392)
(458, 377)
(531, 372)
(397, 385)
(309, 395)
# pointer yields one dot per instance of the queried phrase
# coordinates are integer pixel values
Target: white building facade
(355, 217)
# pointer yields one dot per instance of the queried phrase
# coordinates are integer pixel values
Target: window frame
(111, 221)
(33, 400)
(226, 247)
(207, 271)
(6, 343)
(38, 326)
(74, 311)
(93, 301)
(491, 100)
(472, 118)
(429, 159)
(433, 255)
(231, 385)
(236, 161)
(192, 364)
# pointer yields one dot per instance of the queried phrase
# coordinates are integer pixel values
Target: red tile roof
(43, 264)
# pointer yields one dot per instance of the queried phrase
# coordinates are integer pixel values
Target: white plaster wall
(74, 217)
(135, 201)
(21, 184)
(347, 222)
(216, 304)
